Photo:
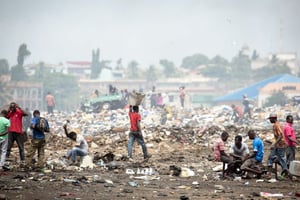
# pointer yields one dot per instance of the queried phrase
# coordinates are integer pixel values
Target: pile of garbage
(193, 129)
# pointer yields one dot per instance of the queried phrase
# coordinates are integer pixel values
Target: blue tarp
(253, 90)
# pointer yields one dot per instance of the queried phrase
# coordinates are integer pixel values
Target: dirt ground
(114, 182)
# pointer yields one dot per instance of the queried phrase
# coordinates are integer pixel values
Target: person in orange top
(50, 103)
(277, 148)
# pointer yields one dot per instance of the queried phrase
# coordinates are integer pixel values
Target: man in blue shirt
(38, 141)
(252, 161)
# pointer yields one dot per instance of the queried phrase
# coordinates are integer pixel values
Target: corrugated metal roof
(253, 90)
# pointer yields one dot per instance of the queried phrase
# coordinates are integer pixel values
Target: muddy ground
(112, 181)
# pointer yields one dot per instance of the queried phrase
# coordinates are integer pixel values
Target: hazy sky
(146, 30)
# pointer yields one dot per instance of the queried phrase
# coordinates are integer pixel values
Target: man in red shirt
(136, 132)
(15, 115)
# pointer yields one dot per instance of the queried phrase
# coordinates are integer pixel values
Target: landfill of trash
(181, 166)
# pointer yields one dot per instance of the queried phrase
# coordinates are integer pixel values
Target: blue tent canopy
(253, 90)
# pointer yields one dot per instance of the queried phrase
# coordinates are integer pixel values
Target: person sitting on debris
(252, 161)
(136, 132)
(238, 150)
(38, 141)
(219, 152)
(80, 145)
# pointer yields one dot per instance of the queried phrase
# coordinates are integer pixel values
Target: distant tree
(218, 67)
(194, 61)
(64, 88)
(18, 72)
(219, 60)
(95, 65)
(274, 59)
(4, 67)
(119, 64)
(151, 74)
(169, 68)
(133, 70)
(22, 54)
(217, 71)
(241, 66)
(40, 70)
(254, 55)
(278, 98)
(5, 92)
(268, 71)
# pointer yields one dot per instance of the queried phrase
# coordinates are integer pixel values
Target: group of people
(11, 130)
(283, 149)
(240, 159)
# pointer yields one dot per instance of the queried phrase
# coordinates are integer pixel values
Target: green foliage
(151, 74)
(241, 66)
(278, 98)
(5, 96)
(169, 68)
(133, 70)
(23, 52)
(254, 55)
(218, 68)
(18, 73)
(217, 71)
(41, 70)
(63, 87)
(219, 60)
(95, 66)
(194, 61)
(271, 70)
(4, 67)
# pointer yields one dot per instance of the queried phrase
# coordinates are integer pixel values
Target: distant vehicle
(104, 102)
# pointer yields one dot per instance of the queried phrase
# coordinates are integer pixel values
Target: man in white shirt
(238, 150)
(80, 145)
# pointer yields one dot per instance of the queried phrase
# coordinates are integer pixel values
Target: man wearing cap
(277, 148)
